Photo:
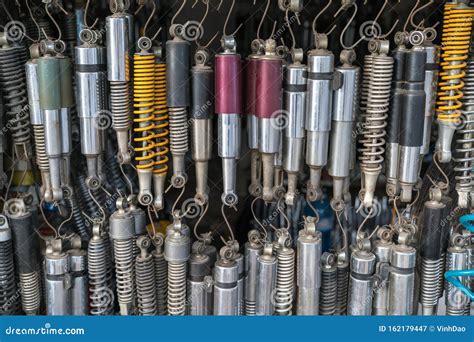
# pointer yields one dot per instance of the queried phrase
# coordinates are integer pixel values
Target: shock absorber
(253, 249)
(382, 250)
(457, 302)
(239, 259)
(294, 104)
(328, 294)
(101, 293)
(139, 218)
(199, 285)
(284, 290)
(430, 253)
(118, 74)
(344, 106)
(457, 28)
(412, 116)
(202, 110)
(374, 120)
(145, 278)
(258, 49)
(228, 82)
(464, 157)
(161, 274)
(266, 282)
(226, 276)
(122, 233)
(342, 271)
(401, 288)
(160, 168)
(79, 278)
(177, 253)
(26, 247)
(92, 101)
(308, 273)
(58, 280)
(178, 94)
(268, 110)
(7, 269)
(361, 283)
(318, 115)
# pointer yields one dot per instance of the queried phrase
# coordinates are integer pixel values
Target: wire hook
(341, 38)
(86, 9)
(224, 30)
(374, 23)
(180, 9)
(325, 8)
(198, 44)
(263, 18)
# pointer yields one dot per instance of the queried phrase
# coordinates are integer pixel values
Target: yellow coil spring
(457, 28)
(161, 120)
(143, 107)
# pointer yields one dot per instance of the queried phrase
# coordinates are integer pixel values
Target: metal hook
(198, 44)
(382, 36)
(148, 22)
(86, 9)
(422, 21)
(293, 39)
(325, 8)
(341, 38)
(34, 20)
(224, 30)
(232, 238)
(410, 15)
(178, 11)
(54, 22)
(263, 18)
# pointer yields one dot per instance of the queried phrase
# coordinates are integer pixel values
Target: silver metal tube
(401, 280)
(226, 276)
(361, 283)
(79, 282)
(58, 284)
(266, 283)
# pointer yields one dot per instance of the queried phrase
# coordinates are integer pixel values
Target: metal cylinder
(177, 72)
(266, 283)
(118, 61)
(401, 280)
(457, 302)
(226, 296)
(361, 283)
(79, 282)
(199, 286)
(228, 83)
(58, 284)
(252, 252)
(382, 251)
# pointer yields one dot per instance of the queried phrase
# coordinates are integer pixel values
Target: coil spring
(375, 121)
(77, 218)
(41, 158)
(30, 292)
(364, 90)
(7, 279)
(464, 156)
(328, 293)
(161, 277)
(342, 288)
(120, 104)
(144, 91)
(178, 130)
(457, 302)
(146, 286)
(457, 29)
(161, 120)
(250, 308)
(284, 290)
(429, 282)
(176, 288)
(100, 294)
(113, 175)
(12, 80)
(69, 32)
(90, 207)
(124, 270)
(442, 267)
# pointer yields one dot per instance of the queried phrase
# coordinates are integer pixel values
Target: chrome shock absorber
(253, 249)
(79, 278)
(92, 102)
(8, 304)
(145, 278)
(361, 283)
(199, 285)
(226, 276)
(26, 247)
(266, 282)
(308, 273)
(382, 250)
(328, 294)
(161, 274)
(285, 283)
(177, 82)
(464, 154)
(139, 218)
(118, 74)
(374, 123)
(430, 253)
(177, 253)
(122, 233)
(457, 302)
(101, 294)
(202, 111)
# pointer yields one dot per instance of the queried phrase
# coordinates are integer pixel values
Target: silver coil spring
(176, 288)
(250, 308)
(12, 81)
(364, 89)
(328, 293)
(8, 293)
(178, 127)
(120, 104)
(124, 270)
(375, 121)
(342, 288)
(77, 218)
(429, 281)
(41, 158)
(285, 282)
(98, 260)
(30, 292)
(457, 302)
(161, 279)
(146, 285)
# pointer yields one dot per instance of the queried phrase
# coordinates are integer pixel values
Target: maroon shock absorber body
(268, 109)
(228, 85)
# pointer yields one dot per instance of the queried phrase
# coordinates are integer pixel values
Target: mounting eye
(144, 43)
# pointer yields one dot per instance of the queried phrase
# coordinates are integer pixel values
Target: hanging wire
(410, 15)
(127, 179)
(341, 38)
(263, 18)
(34, 21)
(86, 9)
(252, 209)
(173, 208)
(232, 238)
(325, 8)
(382, 36)
(224, 30)
(198, 44)
(206, 207)
(58, 28)
(178, 11)
(422, 21)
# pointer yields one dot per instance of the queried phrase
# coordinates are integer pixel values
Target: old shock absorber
(266, 282)
(145, 278)
(361, 283)
(79, 278)
(308, 273)
(226, 276)
(382, 251)
(57, 280)
(457, 28)
(26, 247)
(328, 294)
(161, 274)
(7, 268)
(118, 74)
(284, 291)
(199, 285)
(92, 101)
(253, 249)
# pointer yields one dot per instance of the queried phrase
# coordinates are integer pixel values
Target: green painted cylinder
(49, 83)
(67, 92)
